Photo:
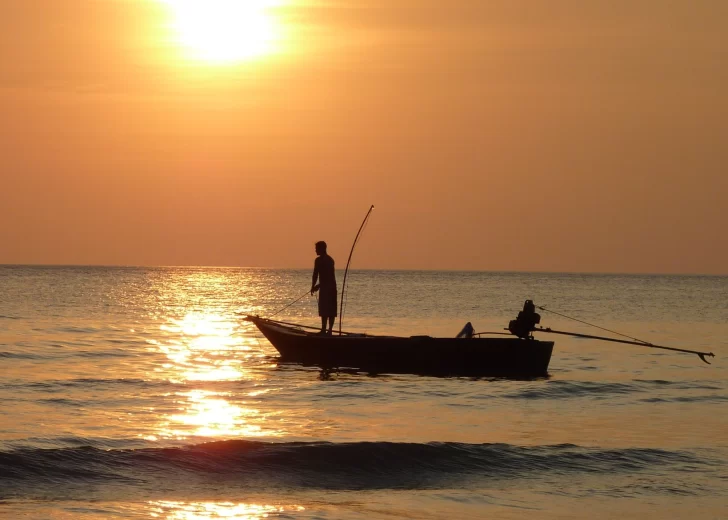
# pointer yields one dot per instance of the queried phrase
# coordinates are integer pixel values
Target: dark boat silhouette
(467, 354)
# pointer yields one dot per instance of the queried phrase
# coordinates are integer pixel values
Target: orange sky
(549, 135)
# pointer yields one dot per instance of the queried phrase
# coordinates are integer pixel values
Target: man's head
(321, 247)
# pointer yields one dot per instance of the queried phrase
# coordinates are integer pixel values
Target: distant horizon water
(355, 268)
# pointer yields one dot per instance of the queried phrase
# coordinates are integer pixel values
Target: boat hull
(472, 357)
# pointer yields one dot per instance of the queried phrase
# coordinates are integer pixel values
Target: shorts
(327, 303)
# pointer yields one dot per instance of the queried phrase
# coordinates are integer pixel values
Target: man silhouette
(323, 272)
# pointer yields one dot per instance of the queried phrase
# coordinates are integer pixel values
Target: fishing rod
(346, 271)
(592, 325)
(283, 308)
(294, 301)
(529, 319)
(641, 343)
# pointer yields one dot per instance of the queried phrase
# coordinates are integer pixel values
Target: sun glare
(225, 31)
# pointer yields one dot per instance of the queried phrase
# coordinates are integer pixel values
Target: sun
(225, 31)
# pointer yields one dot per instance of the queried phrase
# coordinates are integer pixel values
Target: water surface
(140, 393)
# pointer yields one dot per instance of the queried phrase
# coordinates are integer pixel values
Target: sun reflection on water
(205, 347)
(213, 416)
(210, 510)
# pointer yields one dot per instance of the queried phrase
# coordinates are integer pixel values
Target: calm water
(139, 393)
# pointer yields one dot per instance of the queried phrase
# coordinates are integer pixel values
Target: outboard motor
(526, 321)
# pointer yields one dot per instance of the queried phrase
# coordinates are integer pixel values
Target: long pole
(346, 271)
(701, 355)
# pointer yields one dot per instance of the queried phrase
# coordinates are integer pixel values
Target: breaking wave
(324, 465)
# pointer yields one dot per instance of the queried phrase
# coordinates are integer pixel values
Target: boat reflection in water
(170, 510)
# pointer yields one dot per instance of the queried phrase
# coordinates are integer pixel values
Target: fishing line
(592, 325)
(294, 301)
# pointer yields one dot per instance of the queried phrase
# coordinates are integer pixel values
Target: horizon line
(455, 270)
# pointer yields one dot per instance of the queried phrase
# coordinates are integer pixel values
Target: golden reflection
(212, 416)
(205, 347)
(210, 510)
(226, 31)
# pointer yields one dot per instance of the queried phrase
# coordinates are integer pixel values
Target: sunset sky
(545, 135)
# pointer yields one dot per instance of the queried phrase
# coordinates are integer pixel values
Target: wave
(86, 382)
(32, 353)
(567, 389)
(710, 398)
(602, 390)
(77, 330)
(4, 354)
(319, 465)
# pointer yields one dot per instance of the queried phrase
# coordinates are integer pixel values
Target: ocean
(140, 393)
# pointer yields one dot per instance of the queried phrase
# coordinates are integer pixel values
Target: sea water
(142, 393)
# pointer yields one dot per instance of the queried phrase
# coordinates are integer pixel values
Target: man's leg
(331, 323)
(323, 324)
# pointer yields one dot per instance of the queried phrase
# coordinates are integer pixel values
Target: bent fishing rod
(346, 271)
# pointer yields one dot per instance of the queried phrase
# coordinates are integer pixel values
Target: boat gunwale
(298, 330)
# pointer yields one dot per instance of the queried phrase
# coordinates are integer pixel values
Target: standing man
(323, 271)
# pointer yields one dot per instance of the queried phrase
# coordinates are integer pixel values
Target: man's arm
(314, 287)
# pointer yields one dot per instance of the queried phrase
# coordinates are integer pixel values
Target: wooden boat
(465, 355)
